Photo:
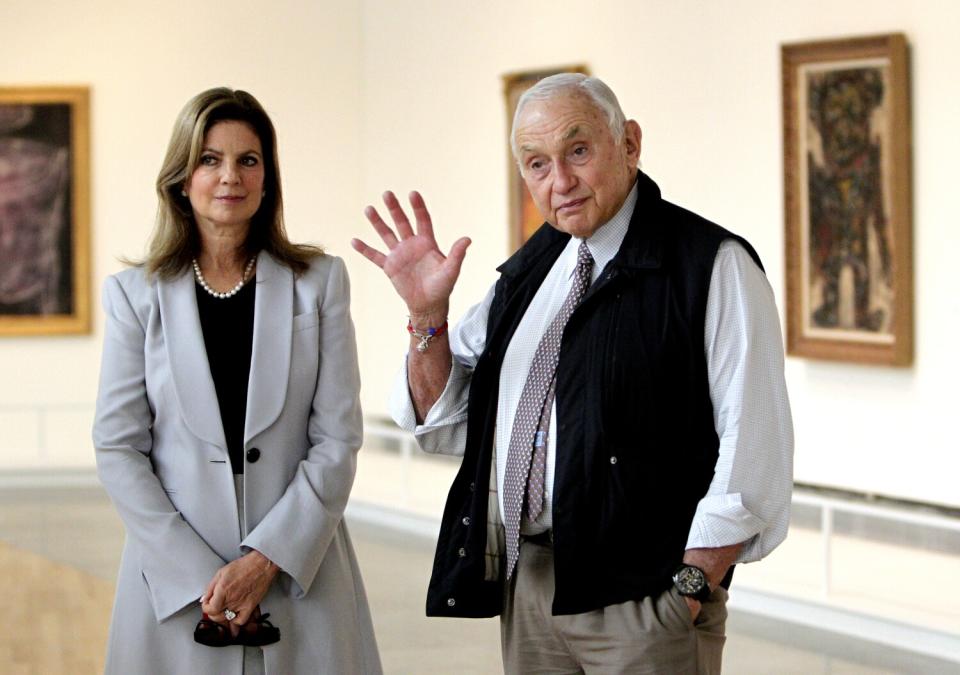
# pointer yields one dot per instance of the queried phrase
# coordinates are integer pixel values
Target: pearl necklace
(227, 294)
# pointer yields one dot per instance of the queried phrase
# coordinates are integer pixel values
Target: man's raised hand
(421, 274)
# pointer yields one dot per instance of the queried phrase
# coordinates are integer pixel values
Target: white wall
(404, 95)
(143, 60)
(703, 79)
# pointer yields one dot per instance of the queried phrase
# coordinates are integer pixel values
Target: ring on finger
(229, 614)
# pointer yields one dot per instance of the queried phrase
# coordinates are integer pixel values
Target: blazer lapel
(272, 343)
(187, 356)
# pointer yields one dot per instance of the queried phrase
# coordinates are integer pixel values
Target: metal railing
(830, 506)
(41, 413)
(822, 498)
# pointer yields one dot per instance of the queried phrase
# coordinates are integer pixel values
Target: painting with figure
(42, 224)
(847, 182)
(849, 244)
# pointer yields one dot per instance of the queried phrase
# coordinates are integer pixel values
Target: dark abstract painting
(35, 246)
(43, 210)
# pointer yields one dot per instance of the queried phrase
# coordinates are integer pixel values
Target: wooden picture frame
(847, 192)
(525, 218)
(44, 210)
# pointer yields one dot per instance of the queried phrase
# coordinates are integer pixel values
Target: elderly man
(618, 399)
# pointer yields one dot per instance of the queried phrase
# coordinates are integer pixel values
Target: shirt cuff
(723, 520)
(401, 405)
(443, 418)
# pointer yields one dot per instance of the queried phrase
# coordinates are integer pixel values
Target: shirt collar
(605, 242)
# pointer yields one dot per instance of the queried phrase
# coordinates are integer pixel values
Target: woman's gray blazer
(162, 457)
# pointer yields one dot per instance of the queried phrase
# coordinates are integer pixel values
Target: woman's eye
(250, 161)
(208, 160)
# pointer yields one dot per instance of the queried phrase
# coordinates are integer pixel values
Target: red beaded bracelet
(427, 336)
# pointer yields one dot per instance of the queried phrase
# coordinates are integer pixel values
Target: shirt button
(473, 486)
(466, 521)
(462, 553)
(451, 602)
(253, 454)
(613, 460)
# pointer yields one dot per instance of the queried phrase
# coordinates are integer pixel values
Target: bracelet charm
(426, 335)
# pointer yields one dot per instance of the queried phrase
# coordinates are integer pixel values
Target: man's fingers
(368, 252)
(398, 215)
(386, 234)
(457, 253)
(422, 215)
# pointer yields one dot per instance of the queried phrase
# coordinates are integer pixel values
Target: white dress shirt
(749, 497)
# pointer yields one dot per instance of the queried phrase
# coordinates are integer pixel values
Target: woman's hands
(421, 274)
(238, 586)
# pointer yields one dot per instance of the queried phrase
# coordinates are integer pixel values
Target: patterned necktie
(528, 438)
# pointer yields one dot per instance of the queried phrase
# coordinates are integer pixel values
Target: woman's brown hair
(175, 240)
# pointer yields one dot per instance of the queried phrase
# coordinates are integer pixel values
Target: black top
(228, 336)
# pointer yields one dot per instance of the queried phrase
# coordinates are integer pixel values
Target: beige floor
(59, 551)
(54, 618)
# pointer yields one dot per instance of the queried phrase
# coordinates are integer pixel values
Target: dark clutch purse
(258, 632)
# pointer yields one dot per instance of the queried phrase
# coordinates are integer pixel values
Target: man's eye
(580, 150)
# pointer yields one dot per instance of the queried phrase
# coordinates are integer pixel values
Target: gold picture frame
(525, 218)
(847, 192)
(44, 210)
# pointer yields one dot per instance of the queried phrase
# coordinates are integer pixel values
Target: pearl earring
(183, 193)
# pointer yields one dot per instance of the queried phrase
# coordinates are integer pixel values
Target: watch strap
(703, 594)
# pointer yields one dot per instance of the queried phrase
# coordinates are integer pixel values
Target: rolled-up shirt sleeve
(444, 430)
(749, 497)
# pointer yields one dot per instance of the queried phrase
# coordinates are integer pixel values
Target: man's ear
(632, 136)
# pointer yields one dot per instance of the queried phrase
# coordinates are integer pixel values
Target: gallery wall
(408, 95)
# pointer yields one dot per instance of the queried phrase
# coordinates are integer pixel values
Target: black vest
(636, 443)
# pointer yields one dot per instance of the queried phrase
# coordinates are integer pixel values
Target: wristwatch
(691, 581)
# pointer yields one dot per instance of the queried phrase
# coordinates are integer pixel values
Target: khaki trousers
(654, 636)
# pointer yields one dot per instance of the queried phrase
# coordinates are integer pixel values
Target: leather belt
(542, 539)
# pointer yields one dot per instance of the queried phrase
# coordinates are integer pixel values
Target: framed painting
(44, 210)
(847, 191)
(525, 219)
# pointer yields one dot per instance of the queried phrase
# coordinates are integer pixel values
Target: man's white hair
(594, 88)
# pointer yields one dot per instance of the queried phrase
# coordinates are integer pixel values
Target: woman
(232, 495)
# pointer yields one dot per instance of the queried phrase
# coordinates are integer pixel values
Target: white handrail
(829, 504)
(935, 520)
(41, 411)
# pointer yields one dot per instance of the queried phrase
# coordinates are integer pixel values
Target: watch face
(689, 580)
